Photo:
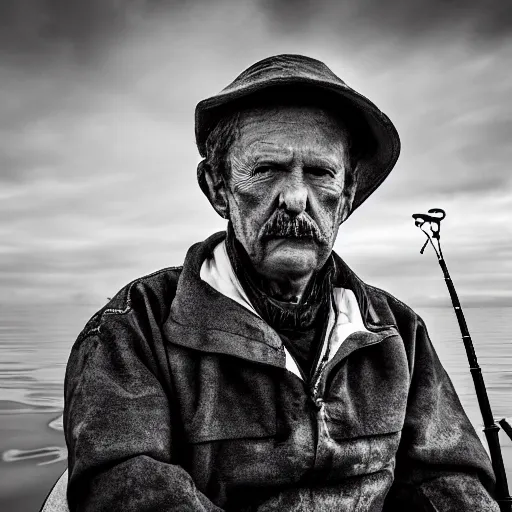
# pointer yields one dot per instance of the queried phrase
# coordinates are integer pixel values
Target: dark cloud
(414, 18)
(36, 26)
(29, 27)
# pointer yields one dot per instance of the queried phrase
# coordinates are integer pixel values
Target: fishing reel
(430, 224)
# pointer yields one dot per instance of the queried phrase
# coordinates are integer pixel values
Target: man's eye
(263, 169)
(318, 171)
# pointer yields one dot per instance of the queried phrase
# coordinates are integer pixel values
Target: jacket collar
(201, 318)
(204, 319)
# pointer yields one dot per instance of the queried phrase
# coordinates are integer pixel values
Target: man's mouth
(289, 236)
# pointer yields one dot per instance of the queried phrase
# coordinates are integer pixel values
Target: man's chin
(291, 256)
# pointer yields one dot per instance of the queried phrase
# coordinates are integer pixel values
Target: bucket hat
(313, 82)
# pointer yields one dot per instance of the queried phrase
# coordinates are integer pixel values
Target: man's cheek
(328, 220)
(328, 203)
(254, 188)
(248, 216)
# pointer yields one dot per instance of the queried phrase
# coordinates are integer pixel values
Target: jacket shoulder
(160, 284)
(154, 291)
(390, 300)
(391, 309)
(379, 305)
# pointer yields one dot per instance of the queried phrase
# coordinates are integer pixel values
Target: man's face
(285, 189)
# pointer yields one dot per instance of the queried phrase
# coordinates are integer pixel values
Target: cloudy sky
(97, 154)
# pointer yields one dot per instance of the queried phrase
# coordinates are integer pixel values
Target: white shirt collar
(219, 274)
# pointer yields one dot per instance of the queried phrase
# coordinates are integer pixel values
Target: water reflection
(53, 453)
(56, 454)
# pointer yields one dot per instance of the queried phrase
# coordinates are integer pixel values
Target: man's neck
(287, 289)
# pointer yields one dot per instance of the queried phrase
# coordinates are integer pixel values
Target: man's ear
(215, 190)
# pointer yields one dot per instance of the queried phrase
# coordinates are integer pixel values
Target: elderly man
(264, 374)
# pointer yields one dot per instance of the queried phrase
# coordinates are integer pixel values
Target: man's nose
(294, 196)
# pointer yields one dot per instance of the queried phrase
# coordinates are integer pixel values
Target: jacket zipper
(317, 375)
(316, 399)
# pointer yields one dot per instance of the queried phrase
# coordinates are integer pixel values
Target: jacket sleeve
(441, 464)
(117, 425)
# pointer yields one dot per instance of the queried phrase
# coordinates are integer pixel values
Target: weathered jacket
(177, 398)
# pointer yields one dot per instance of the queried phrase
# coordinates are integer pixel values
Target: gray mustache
(282, 225)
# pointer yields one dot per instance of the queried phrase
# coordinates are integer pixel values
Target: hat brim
(376, 133)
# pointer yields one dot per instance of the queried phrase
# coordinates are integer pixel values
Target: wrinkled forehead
(288, 127)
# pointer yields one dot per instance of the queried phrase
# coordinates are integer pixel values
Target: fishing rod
(430, 224)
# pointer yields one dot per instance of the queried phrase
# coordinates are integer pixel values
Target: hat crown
(281, 68)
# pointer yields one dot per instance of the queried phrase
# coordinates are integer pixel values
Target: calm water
(35, 344)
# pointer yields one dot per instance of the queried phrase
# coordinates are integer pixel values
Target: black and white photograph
(255, 256)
